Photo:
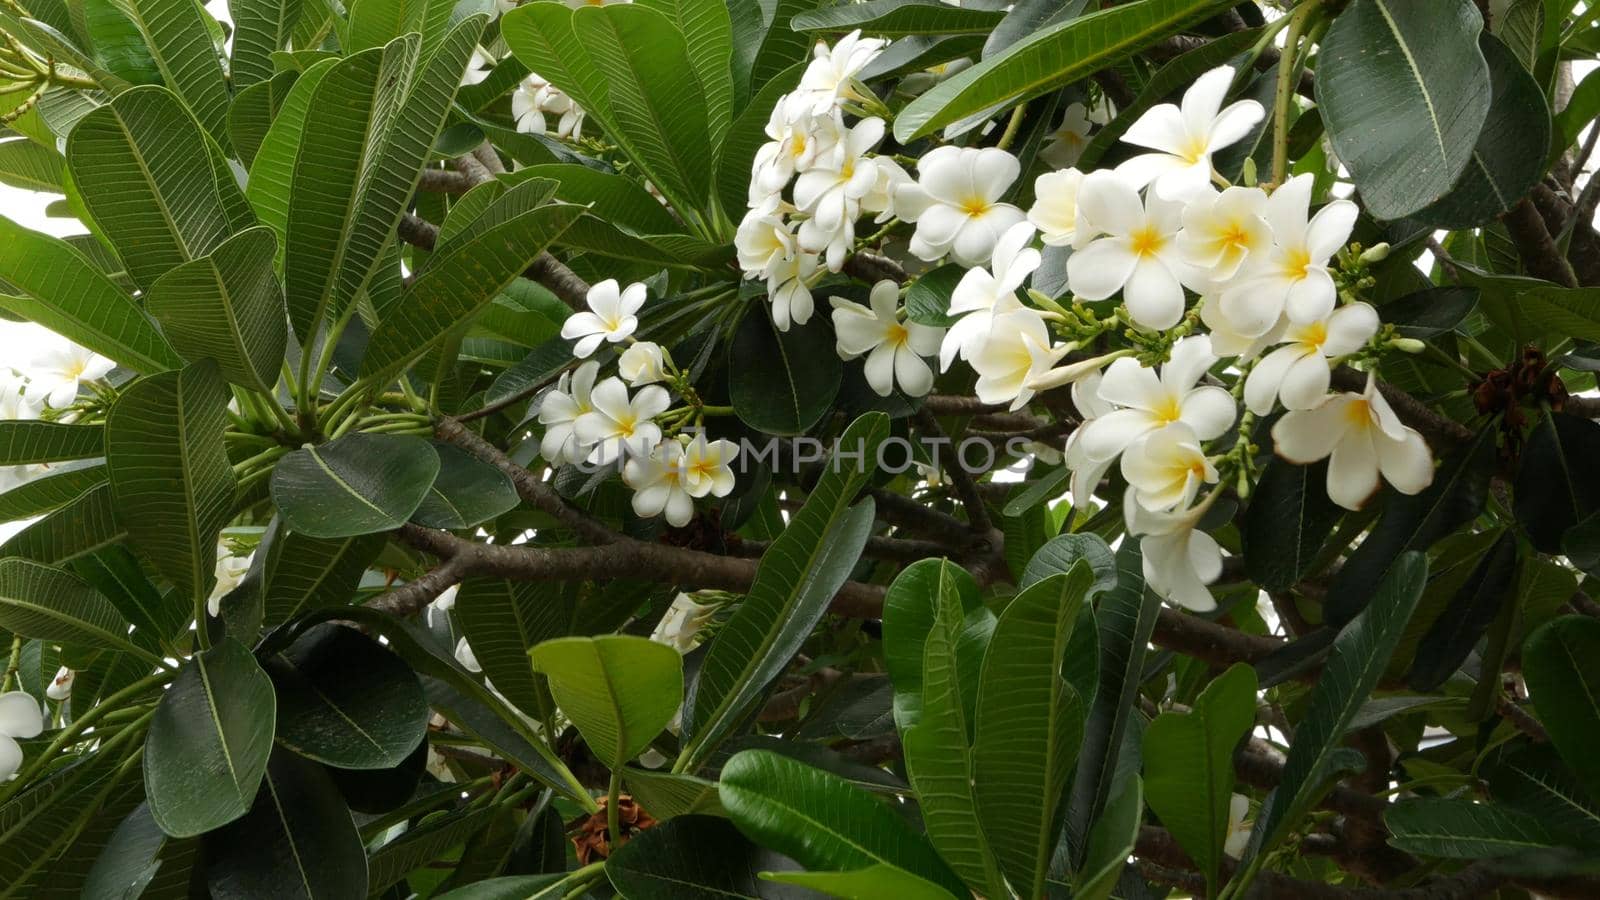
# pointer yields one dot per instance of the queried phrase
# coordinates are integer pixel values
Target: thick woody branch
(1536, 247)
(966, 487)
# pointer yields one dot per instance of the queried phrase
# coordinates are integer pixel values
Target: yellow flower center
(1297, 263)
(1146, 242)
(1170, 410)
(798, 148)
(848, 170)
(896, 335)
(1195, 150)
(975, 206)
(1314, 335)
(1235, 236)
(1358, 413)
(625, 426)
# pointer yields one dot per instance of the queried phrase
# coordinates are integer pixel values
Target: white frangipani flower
(1292, 277)
(1055, 206)
(657, 479)
(1147, 402)
(1221, 230)
(1297, 372)
(17, 401)
(682, 623)
(1238, 836)
(796, 145)
(894, 349)
(466, 657)
(230, 571)
(1179, 559)
(831, 195)
(60, 687)
(58, 370)
(827, 80)
(1167, 468)
(535, 98)
(478, 67)
(1017, 350)
(764, 242)
(644, 362)
(440, 606)
(20, 717)
(612, 316)
(1362, 439)
(980, 296)
(1230, 338)
(789, 289)
(956, 203)
(618, 423)
(708, 467)
(1184, 138)
(1086, 472)
(1065, 146)
(559, 412)
(1137, 255)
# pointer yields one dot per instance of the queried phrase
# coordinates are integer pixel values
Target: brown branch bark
(1536, 247)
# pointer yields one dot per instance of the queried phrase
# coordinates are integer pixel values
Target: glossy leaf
(1558, 664)
(1555, 488)
(1454, 635)
(1112, 841)
(874, 881)
(620, 690)
(37, 601)
(892, 18)
(910, 608)
(503, 620)
(1289, 518)
(179, 39)
(260, 28)
(358, 484)
(1462, 829)
(300, 573)
(466, 492)
(25, 442)
(692, 857)
(782, 382)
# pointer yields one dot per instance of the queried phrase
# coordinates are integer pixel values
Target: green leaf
(1111, 842)
(1558, 665)
(62, 290)
(1360, 654)
(797, 577)
(1555, 489)
(1030, 725)
(178, 33)
(49, 493)
(1289, 518)
(692, 857)
(874, 881)
(374, 23)
(142, 168)
(37, 601)
(928, 298)
(83, 526)
(32, 441)
(1533, 780)
(251, 116)
(708, 39)
(503, 620)
(170, 474)
(300, 573)
(1049, 58)
(1026, 17)
(514, 887)
(135, 852)
(620, 690)
(782, 382)
(260, 28)
(822, 821)
(1430, 313)
(1453, 636)
(899, 18)
(209, 741)
(1188, 765)
(297, 841)
(1509, 158)
(346, 701)
(1404, 91)
(357, 484)
(272, 169)
(666, 796)
(1463, 829)
(30, 167)
(910, 608)
(1062, 552)
(227, 306)
(117, 43)
(466, 492)
(425, 843)
(42, 821)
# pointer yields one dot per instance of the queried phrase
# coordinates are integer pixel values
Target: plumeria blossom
(1362, 439)
(828, 78)
(1137, 254)
(1180, 560)
(982, 295)
(1221, 230)
(1238, 835)
(20, 717)
(1017, 350)
(1167, 468)
(1184, 137)
(764, 242)
(1298, 371)
(680, 627)
(1230, 338)
(1147, 402)
(795, 146)
(708, 467)
(1086, 472)
(60, 687)
(789, 289)
(831, 195)
(559, 412)
(1055, 207)
(478, 67)
(230, 571)
(58, 370)
(535, 98)
(16, 400)
(894, 349)
(611, 317)
(440, 606)
(644, 362)
(1292, 277)
(956, 203)
(1065, 146)
(657, 479)
(618, 423)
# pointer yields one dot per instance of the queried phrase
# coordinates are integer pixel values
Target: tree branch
(1534, 244)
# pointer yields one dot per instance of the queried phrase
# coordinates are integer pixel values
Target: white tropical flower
(789, 289)
(58, 369)
(1221, 230)
(827, 80)
(682, 623)
(1055, 206)
(17, 401)
(466, 657)
(894, 349)
(1167, 468)
(708, 467)
(1297, 372)
(535, 98)
(886, 189)
(1066, 144)
(1292, 278)
(956, 203)
(559, 412)
(1017, 350)
(1086, 472)
(796, 145)
(657, 479)
(441, 605)
(1362, 439)
(1238, 836)
(1147, 402)
(20, 717)
(611, 316)
(1230, 338)
(618, 423)
(1137, 255)
(1179, 559)
(644, 362)
(764, 242)
(230, 571)
(831, 194)
(478, 67)
(980, 296)
(1184, 138)
(60, 687)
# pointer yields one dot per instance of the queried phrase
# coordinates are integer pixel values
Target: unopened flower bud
(1377, 253)
(1408, 345)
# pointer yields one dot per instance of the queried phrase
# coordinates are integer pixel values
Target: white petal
(1261, 387)
(680, 509)
(10, 758)
(1307, 435)
(1100, 269)
(1233, 123)
(1349, 328)
(993, 170)
(1110, 204)
(1305, 384)
(1162, 127)
(1127, 383)
(1353, 471)
(1190, 359)
(1185, 182)
(1288, 209)
(1202, 100)
(1110, 434)
(1141, 170)
(912, 374)
(19, 715)
(1311, 298)
(1153, 295)
(1209, 410)
(880, 370)
(610, 398)
(1407, 464)
(1330, 229)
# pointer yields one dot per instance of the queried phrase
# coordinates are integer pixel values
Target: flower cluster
(626, 419)
(47, 386)
(536, 98)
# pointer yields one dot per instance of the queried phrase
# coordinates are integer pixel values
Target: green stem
(1288, 75)
(70, 733)
(13, 664)
(613, 813)
(1013, 125)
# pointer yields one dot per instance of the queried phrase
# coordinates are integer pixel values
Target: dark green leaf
(37, 601)
(1064, 551)
(1463, 829)
(25, 442)
(782, 382)
(1558, 664)
(1289, 518)
(300, 573)
(356, 484)
(696, 856)
(466, 492)
(1556, 488)
(899, 18)
(1472, 610)
(1430, 313)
